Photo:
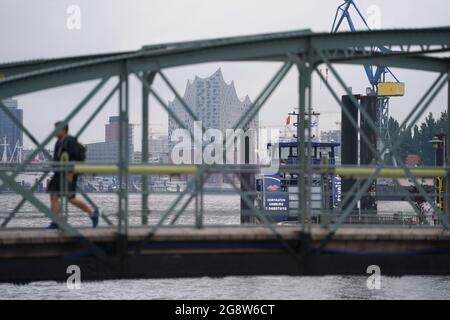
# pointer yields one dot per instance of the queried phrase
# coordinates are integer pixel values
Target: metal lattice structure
(304, 50)
(375, 74)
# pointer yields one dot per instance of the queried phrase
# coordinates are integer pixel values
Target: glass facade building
(9, 132)
(214, 102)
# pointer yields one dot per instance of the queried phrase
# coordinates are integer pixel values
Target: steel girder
(25, 77)
(310, 48)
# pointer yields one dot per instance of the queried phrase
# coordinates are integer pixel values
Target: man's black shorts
(54, 186)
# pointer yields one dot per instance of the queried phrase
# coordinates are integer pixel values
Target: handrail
(173, 169)
(135, 169)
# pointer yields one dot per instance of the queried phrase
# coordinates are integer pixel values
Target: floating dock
(32, 255)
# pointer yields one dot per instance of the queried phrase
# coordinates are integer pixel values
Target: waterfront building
(11, 136)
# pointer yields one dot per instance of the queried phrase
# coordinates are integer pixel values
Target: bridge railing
(323, 212)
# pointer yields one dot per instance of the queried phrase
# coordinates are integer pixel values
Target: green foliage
(417, 140)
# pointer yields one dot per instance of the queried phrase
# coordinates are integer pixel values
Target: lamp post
(439, 143)
(437, 146)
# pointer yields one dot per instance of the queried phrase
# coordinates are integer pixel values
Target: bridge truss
(416, 49)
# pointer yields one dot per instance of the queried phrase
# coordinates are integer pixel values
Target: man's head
(63, 131)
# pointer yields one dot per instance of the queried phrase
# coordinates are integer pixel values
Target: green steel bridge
(164, 249)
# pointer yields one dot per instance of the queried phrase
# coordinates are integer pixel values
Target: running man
(67, 144)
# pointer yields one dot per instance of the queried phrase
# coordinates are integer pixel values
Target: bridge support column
(447, 156)
(370, 105)
(199, 203)
(145, 124)
(247, 186)
(124, 151)
(304, 146)
(349, 144)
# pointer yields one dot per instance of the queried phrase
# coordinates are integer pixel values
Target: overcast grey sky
(37, 29)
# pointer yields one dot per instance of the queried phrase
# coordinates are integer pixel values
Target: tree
(417, 140)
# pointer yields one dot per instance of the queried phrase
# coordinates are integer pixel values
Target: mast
(17, 153)
(5, 151)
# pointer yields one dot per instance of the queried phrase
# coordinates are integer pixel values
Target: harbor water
(219, 209)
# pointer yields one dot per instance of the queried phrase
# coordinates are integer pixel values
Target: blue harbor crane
(375, 74)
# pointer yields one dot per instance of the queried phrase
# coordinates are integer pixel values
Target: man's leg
(94, 215)
(72, 198)
(81, 205)
(54, 203)
(55, 207)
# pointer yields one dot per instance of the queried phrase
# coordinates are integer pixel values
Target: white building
(214, 102)
(158, 148)
(332, 136)
(108, 151)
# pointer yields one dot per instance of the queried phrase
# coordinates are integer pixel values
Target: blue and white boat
(278, 192)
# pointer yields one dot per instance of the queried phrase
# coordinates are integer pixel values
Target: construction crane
(375, 74)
